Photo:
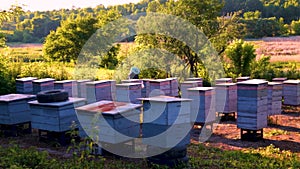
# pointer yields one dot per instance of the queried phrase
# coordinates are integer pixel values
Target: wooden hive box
(184, 86)
(56, 116)
(81, 89)
(174, 86)
(43, 85)
(101, 90)
(166, 110)
(145, 85)
(163, 85)
(24, 85)
(279, 79)
(198, 79)
(252, 108)
(291, 92)
(67, 85)
(241, 79)
(15, 109)
(203, 104)
(111, 122)
(274, 98)
(165, 136)
(129, 92)
(224, 80)
(226, 97)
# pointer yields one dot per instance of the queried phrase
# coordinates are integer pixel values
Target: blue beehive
(198, 79)
(110, 122)
(184, 86)
(241, 79)
(129, 92)
(42, 85)
(252, 104)
(274, 98)
(226, 97)
(162, 85)
(224, 80)
(14, 108)
(66, 85)
(174, 86)
(24, 85)
(291, 92)
(101, 90)
(81, 89)
(279, 79)
(56, 116)
(203, 104)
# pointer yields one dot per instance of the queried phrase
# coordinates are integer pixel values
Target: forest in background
(260, 18)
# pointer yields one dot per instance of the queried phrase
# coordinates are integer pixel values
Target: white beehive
(42, 85)
(56, 116)
(184, 86)
(15, 109)
(24, 85)
(203, 104)
(274, 98)
(291, 92)
(252, 110)
(129, 92)
(224, 80)
(110, 122)
(226, 97)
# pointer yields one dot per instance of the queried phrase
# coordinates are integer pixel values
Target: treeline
(260, 18)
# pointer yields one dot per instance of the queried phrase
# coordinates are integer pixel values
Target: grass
(200, 157)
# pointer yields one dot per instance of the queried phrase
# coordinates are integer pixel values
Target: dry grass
(281, 49)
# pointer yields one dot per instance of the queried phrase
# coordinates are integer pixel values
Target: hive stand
(15, 114)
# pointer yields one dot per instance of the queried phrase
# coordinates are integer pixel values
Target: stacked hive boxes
(174, 86)
(129, 92)
(145, 85)
(24, 85)
(184, 86)
(66, 85)
(224, 80)
(279, 79)
(274, 98)
(226, 97)
(43, 85)
(159, 87)
(15, 109)
(81, 89)
(203, 104)
(241, 79)
(252, 104)
(198, 79)
(101, 90)
(57, 116)
(169, 116)
(291, 92)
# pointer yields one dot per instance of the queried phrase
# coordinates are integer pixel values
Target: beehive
(198, 79)
(81, 89)
(224, 80)
(56, 116)
(252, 107)
(291, 92)
(184, 86)
(129, 92)
(169, 116)
(279, 79)
(203, 104)
(226, 97)
(274, 98)
(15, 109)
(145, 85)
(101, 90)
(66, 85)
(43, 85)
(174, 86)
(161, 85)
(112, 122)
(241, 79)
(24, 85)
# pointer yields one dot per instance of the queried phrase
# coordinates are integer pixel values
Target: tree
(241, 54)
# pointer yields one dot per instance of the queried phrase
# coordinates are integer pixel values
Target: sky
(43, 5)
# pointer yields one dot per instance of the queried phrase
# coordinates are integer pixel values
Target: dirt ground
(283, 132)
